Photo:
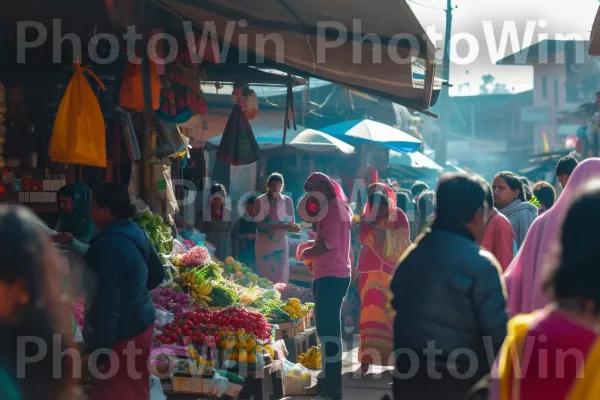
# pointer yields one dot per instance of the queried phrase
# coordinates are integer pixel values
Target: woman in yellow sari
(554, 353)
(384, 236)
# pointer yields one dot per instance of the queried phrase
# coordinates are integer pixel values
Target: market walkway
(374, 386)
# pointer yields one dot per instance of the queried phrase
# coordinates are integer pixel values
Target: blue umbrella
(369, 131)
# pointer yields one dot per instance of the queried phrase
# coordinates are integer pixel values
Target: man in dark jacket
(449, 299)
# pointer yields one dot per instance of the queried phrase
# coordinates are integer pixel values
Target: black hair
(417, 188)
(378, 198)
(425, 207)
(577, 276)
(28, 256)
(275, 177)
(218, 188)
(489, 194)
(526, 189)
(115, 197)
(251, 200)
(566, 165)
(545, 193)
(406, 191)
(402, 201)
(514, 182)
(459, 197)
(65, 191)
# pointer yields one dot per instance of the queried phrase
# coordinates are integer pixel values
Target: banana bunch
(311, 359)
(199, 290)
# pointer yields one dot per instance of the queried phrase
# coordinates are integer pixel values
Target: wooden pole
(148, 117)
(145, 188)
(441, 149)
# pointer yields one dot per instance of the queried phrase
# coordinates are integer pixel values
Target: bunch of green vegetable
(272, 309)
(158, 232)
(223, 294)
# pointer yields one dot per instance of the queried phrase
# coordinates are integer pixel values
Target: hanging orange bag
(131, 95)
(79, 134)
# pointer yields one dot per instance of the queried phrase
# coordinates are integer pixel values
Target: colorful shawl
(523, 374)
(78, 222)
(397, 234)
(526, 273)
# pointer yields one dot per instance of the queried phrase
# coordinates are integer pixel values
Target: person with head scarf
(75, 226)
(561, 342)
(510, 198)
(330, 256)
(527, 271)
(385, 235)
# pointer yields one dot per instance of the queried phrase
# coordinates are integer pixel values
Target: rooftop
(548, 51)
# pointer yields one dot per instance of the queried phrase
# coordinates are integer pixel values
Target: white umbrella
(312, 141)
(416, 160)
(369, 131)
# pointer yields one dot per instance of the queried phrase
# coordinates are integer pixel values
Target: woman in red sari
(558, 347)
(384, 236)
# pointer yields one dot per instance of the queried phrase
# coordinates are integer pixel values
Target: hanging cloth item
(131, 95)
(79, 134)
(238, 145)
(129, 136)
(247, 99)
(182, 97)
(290, 113)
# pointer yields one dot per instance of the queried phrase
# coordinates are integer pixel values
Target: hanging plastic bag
(161, 179)
(296, 379)
(131, 95)
(134, 180)
(79, 134)
(169, 141)
(238, 145)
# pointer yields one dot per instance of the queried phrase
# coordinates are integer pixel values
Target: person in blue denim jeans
(330, 255)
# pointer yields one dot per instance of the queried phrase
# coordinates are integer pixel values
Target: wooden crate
(285, 330)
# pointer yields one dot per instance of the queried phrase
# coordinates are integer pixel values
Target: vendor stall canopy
(293, 37)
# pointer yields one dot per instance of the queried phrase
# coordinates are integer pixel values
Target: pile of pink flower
(289, 290)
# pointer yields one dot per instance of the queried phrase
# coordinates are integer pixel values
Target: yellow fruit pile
(198, 290)
(312, 359)
(242, 346)
(198, 358)
(294, 308)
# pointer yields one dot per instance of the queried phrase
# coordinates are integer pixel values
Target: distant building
(564, 78)
(487, 132)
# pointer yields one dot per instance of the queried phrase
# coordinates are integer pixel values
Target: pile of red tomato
(201, 328)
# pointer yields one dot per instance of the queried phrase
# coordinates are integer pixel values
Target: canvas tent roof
(299, 49)
(594, 49)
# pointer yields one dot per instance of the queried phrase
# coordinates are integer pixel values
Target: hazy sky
(475, 17)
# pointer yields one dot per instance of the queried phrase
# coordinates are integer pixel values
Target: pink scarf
(526, 273)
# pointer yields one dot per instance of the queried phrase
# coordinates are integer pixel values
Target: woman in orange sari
(554, 353)
(384, 236)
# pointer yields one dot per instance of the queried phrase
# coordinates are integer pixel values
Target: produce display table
(263, 383)
(260, 384)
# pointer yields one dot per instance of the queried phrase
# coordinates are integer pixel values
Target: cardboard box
(191, 385)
